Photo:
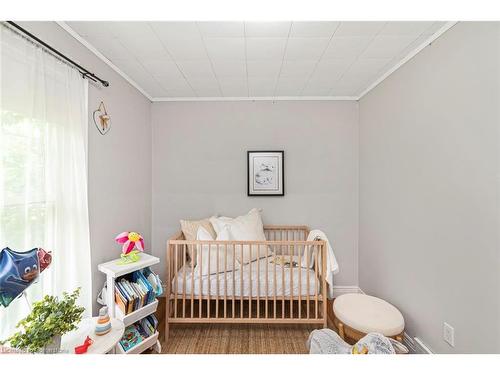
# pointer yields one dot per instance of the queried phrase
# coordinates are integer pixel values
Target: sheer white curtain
(43, 169)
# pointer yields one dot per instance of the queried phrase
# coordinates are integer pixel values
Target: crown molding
(375, 83)
(108, 62)
(254, 98)
(408, 57)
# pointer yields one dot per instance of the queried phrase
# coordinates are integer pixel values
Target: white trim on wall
(255, 98)
(408, 57)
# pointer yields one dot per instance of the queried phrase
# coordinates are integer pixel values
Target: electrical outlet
(449, 334)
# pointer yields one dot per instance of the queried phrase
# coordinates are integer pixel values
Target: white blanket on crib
(332, 266)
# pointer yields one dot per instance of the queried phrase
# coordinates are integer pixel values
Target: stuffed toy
(18, 270)
(326, 341)
(133, 243)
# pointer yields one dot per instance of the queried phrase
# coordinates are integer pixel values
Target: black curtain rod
(86, 73)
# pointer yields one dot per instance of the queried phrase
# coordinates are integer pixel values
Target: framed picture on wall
(266, 173)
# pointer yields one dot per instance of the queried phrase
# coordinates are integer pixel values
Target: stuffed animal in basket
(133, 243)
(326, 341)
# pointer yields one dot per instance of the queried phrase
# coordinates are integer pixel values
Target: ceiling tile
(91, 28)
(208, 93)
(264, 68)
(364, 70)
(359, 28)
(345, 89)
(175, 29)
(267, 29)
(330, 70)
(434, 27)
(110, 47)
(313, 29)
(305, 48)
(225, 48)
(222, 29)
(386, 46)
(258, 86)
(346, 47)
(186, 48)
(131, 29)
(313, 90)
(230, 68)
(179, 92)
(196, 69)
(166, 69)
(265, 48)
(298, 68)
(141, 48)
(290, 86)
(205, 87)
(168, 84)
(234, 89)
(405, 28)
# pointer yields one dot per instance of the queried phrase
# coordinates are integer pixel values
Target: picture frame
(265, 173)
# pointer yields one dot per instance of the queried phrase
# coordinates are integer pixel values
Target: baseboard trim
(415, 345)
(338, 290)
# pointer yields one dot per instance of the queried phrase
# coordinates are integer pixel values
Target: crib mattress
(249, 281)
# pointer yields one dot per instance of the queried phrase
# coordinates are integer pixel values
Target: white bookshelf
(113, 270)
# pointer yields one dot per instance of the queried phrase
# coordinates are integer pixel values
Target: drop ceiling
(217, 60)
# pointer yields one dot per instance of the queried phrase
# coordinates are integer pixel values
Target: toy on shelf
(84, 347)
(133, 243)
(18, 270)
(103, 324)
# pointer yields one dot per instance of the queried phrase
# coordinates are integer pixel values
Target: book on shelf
(138, 332)
(134, 290)
(130, 338)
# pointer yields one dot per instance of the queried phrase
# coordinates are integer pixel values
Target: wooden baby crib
(286, 284)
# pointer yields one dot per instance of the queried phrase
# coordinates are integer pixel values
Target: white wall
(429, 167)
(199, 167)
(119, 162)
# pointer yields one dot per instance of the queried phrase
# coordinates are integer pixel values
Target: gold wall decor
(102, 120)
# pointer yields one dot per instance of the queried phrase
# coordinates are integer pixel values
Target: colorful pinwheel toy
(133, 243)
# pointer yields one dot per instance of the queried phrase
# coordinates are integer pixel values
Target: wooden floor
(235, 338)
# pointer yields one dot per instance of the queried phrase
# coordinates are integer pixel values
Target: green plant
(50, 317)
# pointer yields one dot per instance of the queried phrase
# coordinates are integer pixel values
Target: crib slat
(323, 284)
(282, 286)
(192, 280)
(217, 300)
(258, 281)
(175, 280)
(300, 283)
(290, 251)
(234, 283)
(267, 283)
(241, 283)
(275, 279)
(200, 292)
(225, 280)
(308, 255)
(184, 269)
(209, 298)
(250, 282)
(316, 281)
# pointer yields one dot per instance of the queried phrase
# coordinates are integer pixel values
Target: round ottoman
(355, 315)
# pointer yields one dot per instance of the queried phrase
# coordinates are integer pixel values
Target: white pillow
(210, 251)
(247, 227)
